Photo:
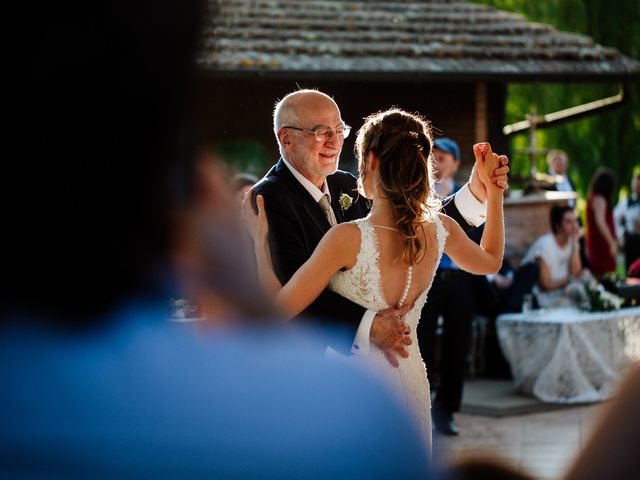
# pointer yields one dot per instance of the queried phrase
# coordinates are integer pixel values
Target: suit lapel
(309, 205)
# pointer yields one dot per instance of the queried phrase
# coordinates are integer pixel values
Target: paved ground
(541, 444)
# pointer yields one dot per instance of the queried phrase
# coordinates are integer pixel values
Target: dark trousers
(451, 296)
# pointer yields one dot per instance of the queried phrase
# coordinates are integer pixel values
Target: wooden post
(481, 128)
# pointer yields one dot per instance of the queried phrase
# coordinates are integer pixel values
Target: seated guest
(557, 255)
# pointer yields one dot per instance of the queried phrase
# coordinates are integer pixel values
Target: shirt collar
(314, 191)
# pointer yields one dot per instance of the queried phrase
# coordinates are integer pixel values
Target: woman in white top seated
(558, 257)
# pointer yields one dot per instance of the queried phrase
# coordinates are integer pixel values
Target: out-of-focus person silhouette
(209, 246)
(602, 245)
(107, 214)
(479, 467)
(612, 449)
(627, 219)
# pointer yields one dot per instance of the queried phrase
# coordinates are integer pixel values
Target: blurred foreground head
(95, 167)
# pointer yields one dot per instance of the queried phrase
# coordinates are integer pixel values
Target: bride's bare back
(394, 272)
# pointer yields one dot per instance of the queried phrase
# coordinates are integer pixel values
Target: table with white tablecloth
(566, 355)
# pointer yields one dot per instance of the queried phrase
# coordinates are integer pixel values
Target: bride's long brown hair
(402, 143)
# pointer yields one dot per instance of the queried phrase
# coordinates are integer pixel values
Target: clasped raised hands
(494, 171)
(491, 168)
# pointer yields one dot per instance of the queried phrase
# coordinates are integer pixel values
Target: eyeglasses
(324, 133)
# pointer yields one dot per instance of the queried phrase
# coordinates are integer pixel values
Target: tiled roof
(450, 38)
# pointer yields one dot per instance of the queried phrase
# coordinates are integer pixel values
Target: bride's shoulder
(445, 221)
(343, 238)
(441, 219)
(346, 232)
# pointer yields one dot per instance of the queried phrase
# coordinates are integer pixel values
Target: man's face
(559, 165)
(314, 160)
(446, 164)
(570, 225)
(635, 184)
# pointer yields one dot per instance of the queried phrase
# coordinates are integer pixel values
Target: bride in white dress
(389, 258)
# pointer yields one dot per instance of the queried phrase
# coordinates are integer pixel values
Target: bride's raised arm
(485, 258)
(337, 250)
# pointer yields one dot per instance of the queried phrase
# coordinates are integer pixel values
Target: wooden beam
(481, 127)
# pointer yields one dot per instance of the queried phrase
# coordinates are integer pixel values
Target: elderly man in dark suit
(305, 194)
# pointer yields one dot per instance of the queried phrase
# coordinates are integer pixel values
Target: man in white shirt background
(557, 164)
(627, 218)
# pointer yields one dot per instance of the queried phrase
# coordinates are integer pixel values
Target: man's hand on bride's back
(391, 334)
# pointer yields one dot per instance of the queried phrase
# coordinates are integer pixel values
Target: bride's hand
(487, 163)
(256, 223)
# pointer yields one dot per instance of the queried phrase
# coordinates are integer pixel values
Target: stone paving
(539, 444)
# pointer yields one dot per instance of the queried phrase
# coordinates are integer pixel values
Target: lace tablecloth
(568, 356)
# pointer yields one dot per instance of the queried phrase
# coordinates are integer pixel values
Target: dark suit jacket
(296, 226)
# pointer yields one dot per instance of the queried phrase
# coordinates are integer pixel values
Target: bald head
(295, 119)
(299, 105)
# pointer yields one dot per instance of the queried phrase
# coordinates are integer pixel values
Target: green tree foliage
(244, 156)
(608, 139)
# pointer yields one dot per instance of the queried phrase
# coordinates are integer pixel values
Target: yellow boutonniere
(345, 202)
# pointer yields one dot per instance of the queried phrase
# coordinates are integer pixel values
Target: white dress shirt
(314, 191)
(627, 216)
(563, 184)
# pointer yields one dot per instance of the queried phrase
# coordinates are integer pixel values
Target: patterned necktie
(327, 210)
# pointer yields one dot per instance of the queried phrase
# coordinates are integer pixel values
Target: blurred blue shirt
(143, 397)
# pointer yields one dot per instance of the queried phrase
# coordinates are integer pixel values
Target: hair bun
(417, 139)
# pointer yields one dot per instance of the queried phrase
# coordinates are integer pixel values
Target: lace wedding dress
(362, 284)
